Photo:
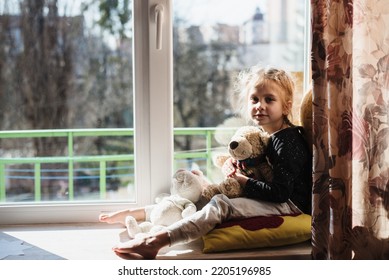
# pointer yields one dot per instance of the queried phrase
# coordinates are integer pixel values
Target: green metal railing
(70, 158)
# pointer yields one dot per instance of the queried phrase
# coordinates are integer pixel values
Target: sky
(221, 11)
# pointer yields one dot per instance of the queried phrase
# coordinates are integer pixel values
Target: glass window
(93, 93)
(213, 41)
(66, 101)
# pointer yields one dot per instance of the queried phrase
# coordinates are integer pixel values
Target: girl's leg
(184, 230)
(120, 216)
(219, 209)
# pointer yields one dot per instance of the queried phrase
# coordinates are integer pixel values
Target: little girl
(265, 98)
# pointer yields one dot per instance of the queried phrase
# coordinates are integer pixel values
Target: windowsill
(93, 241)
(62, 241)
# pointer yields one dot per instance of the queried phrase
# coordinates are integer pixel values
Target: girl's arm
(289, 156)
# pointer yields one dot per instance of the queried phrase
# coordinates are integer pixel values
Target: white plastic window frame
(154, 121)
(153, 103)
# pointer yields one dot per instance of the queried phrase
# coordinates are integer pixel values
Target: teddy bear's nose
(234, 145)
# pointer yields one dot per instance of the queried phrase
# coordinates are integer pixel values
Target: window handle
(158, 12)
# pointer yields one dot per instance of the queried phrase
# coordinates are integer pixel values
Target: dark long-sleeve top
(291, 160)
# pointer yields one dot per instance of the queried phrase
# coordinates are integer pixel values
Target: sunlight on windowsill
(61, 241)
(93, 241)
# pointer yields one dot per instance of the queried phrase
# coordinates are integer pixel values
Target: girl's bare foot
(144, 248)
(120, 216)
(114, 217)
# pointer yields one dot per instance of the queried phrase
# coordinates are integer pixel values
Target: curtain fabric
(350, 82)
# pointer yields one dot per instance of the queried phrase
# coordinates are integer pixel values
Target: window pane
(66, 105)
(213, 41)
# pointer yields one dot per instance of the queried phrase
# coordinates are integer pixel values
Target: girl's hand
(242, 179)
(229, 168)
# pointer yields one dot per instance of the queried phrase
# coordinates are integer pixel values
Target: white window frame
(153, 109)
(160, 104)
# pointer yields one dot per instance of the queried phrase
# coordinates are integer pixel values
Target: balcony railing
(71, 159)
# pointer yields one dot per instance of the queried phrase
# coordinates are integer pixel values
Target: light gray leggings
(220, 209)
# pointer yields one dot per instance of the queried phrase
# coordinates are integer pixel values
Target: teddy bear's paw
(207, 195)
(132, 226)
(231, 188)
(210, 191)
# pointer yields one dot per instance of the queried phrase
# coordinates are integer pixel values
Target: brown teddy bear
(246, 148)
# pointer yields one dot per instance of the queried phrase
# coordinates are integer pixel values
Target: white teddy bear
(246, 147)
(186, 190)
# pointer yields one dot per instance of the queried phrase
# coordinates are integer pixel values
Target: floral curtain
(350, 77)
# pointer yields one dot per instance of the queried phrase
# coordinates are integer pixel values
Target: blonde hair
(256, 77)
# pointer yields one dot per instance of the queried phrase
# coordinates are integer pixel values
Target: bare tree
(202, 82)
(44, 70)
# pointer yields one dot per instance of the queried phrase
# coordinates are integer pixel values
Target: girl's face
(266, 106)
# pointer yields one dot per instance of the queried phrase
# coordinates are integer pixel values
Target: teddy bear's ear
(264, 136)
(252, 133)
(263, 140)
(219, 159)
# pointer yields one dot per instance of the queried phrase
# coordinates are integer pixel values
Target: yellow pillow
(258, 232)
